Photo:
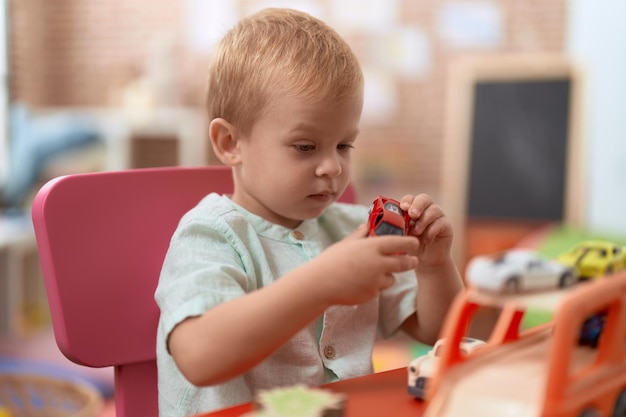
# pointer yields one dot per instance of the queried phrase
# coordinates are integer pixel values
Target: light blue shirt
(221, 251)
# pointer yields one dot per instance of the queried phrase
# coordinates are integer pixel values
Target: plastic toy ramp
(542, 300)
(490, 385)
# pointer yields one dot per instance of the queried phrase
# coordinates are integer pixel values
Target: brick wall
(82, 52)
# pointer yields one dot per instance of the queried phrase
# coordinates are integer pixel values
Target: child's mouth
(321, 197)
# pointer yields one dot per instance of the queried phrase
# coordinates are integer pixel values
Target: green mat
(563, 238)
(418, 349)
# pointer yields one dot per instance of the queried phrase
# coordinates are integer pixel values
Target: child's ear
(224, 141)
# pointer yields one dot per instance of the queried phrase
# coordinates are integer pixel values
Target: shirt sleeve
(199, 252)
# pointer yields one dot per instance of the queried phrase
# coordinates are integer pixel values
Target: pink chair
(102, 238)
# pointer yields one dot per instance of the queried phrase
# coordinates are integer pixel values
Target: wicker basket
(25, 395)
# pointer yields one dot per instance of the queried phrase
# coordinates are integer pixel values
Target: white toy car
(422, 368)
(518, 270)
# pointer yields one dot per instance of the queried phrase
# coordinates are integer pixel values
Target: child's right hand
(356, 269)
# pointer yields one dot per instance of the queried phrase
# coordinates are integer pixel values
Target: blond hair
(278, 51)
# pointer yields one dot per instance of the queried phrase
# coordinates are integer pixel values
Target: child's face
(296, 160)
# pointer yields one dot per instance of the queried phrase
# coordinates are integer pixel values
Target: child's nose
(330, 166)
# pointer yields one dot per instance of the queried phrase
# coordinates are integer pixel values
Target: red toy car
(387, 218)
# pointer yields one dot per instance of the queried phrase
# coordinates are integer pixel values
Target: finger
(440, 228)
(406, 201)
(431, 214)
(387, 281)
(395, 244)
(420, 226)
(420, 205)
(400, 263)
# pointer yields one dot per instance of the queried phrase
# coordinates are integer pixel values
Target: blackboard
(511, 148)
(519, 143)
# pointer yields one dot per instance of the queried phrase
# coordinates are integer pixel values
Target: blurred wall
(87, 52)
(597, 39)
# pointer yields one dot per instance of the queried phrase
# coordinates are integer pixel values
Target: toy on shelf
(595, 258)
(387, 218)
(543, 371)
(422, 368)
(518, 270)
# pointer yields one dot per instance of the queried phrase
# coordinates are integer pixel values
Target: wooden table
(380, 394)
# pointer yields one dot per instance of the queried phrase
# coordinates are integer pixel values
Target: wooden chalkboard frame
(464, 75)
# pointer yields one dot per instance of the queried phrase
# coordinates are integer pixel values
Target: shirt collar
(307, 230)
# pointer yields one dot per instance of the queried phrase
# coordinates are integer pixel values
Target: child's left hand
(431, 227)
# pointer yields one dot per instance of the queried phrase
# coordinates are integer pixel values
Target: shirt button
(297, 234)
(329, 352)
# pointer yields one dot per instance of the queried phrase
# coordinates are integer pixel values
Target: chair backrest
(102, 238)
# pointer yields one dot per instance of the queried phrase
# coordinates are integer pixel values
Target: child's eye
(304, 147)
(345, 146)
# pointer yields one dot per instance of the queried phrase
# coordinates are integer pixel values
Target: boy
(277, 284)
